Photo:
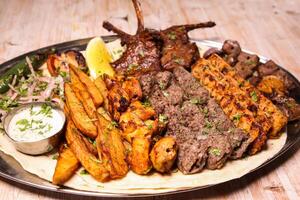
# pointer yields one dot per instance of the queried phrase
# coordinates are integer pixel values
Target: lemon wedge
(98, 58)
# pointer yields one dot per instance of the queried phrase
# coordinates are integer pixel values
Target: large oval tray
(10, 169)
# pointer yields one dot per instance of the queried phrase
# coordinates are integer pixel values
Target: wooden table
(269, 27)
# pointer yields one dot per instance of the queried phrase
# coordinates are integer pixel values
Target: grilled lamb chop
(142, 53)
(177, 50)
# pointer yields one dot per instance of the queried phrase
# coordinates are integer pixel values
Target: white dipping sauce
(35, 123)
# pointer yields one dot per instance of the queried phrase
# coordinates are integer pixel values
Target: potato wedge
(139, 156)
(100, 84)
(78, 114)
(90, 85)
(83, 95)
(90, 145)
(94, 166)
(66, 166)
(110, 146)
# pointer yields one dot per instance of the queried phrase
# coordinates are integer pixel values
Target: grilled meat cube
(142, 52)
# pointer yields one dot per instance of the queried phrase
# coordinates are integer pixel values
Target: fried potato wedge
(100, 84)
(78, 114)
(139, 156)
(83, 95)
(94, 166)
(163, 154)
(111, 147)
(66, 166)
(90, 145)
(90, 85)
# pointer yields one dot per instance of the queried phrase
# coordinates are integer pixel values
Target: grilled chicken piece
(243, 103)
(177, 50)
(142, 52)
(120, 93)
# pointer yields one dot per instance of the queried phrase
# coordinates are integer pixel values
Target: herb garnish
(254, 96)
(215, 151)
(166, 94)
(172, 35)
(84, 172)
(162, 118)
(197, 101)
(146, 103)
(237, 117)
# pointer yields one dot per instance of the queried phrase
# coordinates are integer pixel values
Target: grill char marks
(177, 50)
(142, 51)
(206, 137)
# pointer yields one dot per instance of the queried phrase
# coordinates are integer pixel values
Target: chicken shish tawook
(152, 108)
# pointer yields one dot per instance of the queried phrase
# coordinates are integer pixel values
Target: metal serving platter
(11, 170)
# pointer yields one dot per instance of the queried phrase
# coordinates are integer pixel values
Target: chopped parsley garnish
(45, 110)
(162, 118)
(55, 157)
(132, 66)
(290, 105)
(150, 126)
(249, 62)
(166, 94)
(179, 61)
(197, 101)
(172, 35)
(6, 103)
(114, 123)
(254, 96)
(162, 86)
(84, 172)
(63, 74)
(141, 53)
(215, 151)
(237, 117)
(146, 103)
(208, 124)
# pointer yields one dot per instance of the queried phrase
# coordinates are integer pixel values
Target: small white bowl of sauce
(35, 128)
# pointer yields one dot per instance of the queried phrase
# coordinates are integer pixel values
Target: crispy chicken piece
(163, 154)
(243, 103)
(142, 53)
(139, 159)
(271, 84)
(177, 49)
(121, 93)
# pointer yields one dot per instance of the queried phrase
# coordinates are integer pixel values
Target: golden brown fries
(66, 166)
(90, 85)
(100, 84)
(139, 156)
(93, 165)
(78, 114)
(163, 154)
(91, 145)
(83, 95)
(110, 147)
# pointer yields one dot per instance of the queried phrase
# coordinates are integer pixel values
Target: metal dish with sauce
(35, 128)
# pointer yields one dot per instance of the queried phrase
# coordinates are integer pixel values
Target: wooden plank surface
(269, 27)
